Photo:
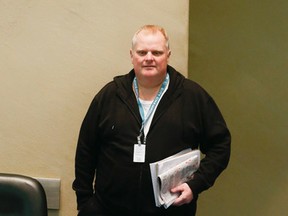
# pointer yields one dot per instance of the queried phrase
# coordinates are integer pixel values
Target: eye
(157, 53)
(141, 52)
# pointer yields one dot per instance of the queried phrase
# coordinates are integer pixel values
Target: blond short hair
(152, 29)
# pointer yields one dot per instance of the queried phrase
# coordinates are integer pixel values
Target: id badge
(139, 153)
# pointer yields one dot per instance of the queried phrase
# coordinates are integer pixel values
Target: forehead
(150, 40)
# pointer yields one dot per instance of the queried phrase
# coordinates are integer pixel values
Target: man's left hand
(186, 194)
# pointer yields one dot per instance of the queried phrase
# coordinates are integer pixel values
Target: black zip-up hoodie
(186, 117)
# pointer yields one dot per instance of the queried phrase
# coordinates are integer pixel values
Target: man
(144, 116)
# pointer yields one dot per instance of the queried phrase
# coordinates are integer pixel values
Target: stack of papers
(171, 172)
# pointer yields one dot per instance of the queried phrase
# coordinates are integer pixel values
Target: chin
(149, 73)
(150, 70)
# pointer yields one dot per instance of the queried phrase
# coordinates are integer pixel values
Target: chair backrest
(21, 195)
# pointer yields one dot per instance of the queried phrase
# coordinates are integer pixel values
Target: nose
(149, 56)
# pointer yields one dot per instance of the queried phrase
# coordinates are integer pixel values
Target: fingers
(186, 194)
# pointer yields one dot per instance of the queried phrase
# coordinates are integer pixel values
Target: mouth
(149, 66)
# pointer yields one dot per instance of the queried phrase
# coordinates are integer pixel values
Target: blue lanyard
(152, 107)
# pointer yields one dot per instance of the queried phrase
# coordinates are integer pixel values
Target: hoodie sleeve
(214, 143)
(86, 156)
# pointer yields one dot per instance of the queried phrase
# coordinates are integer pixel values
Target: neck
(148, 93)
(148, 89)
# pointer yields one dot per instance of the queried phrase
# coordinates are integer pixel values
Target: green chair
(21, 196)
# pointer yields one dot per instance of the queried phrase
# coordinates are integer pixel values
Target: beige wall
(239, 53)
(54, 56)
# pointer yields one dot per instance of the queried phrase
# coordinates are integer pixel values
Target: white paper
(165, 174)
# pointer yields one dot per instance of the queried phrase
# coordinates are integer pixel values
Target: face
(150, 57)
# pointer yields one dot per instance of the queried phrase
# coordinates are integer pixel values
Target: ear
(131, 55)
(169, 54)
